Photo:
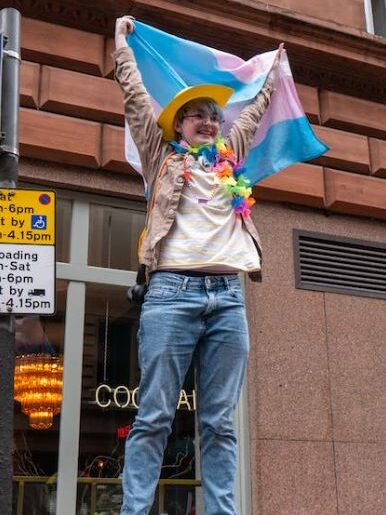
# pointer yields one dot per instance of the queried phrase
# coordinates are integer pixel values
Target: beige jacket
(153, 150)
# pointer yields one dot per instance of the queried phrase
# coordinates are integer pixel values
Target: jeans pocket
(237, 293)
(162, 293)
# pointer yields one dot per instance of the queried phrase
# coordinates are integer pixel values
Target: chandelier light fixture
(38, 387)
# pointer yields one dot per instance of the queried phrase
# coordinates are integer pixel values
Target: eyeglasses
(201, 117)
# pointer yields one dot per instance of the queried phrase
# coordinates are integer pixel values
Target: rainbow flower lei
(222, 161)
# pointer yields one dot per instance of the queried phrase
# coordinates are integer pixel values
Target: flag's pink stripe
(244, 71)
(285, 105)
(286, 100)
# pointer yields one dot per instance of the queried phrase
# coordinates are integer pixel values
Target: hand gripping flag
(169, 64)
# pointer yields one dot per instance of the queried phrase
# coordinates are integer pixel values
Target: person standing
(199, 236)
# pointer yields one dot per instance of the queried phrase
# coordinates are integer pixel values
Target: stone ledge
(347, 151)
(355, 194)
(29, 84)
(113, 151)
(353, 114)
(80, 95)
(53, 137)
(299, 184)
(378, 157)
(63, 47)
(78, 178)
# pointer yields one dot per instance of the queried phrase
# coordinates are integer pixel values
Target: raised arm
(139, 112)
(244, 128)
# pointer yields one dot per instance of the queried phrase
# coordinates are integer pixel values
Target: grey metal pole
(9, 158)
(7, 365)
(9, 148)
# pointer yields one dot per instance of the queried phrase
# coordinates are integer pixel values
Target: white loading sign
(27, 279)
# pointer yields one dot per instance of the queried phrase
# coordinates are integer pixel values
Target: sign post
(9, 158)
(27, 252)
(1, 71)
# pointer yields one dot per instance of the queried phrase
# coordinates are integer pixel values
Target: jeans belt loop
(226, 280)
(185, 283)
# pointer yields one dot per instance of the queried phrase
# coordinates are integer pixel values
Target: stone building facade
(312, 424)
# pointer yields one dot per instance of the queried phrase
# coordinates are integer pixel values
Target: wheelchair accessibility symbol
(39, 222)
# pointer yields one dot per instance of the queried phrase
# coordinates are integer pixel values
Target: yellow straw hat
(217, 93)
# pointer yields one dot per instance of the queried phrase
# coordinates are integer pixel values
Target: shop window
(109, 404)
(39, 349)
(113, 237)
(104, 235)
(375, 11)
(63, 224)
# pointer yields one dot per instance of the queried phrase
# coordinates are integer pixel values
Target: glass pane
(114, 234)
(38, 390)
(109, 405)
(178, 500)
(63, 224)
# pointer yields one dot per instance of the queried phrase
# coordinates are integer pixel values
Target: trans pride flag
(168, 64)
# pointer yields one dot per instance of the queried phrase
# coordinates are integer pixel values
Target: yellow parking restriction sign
(27, 216)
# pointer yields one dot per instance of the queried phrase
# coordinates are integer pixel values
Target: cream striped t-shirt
(207, 235)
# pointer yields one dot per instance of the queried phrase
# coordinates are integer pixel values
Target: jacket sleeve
(139, 112)
(244, 128)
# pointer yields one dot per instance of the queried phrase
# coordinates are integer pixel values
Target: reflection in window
(114, 234)
(36, 451)
(63, 224)
(375, 13)
(39, 385)
(379, 17)
(109, 405)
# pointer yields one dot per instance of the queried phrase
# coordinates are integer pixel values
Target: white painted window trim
(72, 370)
(71, 404)
(369, 16)
(243, 486)
(375, 8)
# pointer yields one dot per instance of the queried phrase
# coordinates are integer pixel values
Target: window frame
(372, 27)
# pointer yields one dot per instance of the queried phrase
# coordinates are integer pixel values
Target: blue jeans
(182, 316)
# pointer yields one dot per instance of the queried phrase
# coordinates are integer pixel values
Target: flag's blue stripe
(202, 65)
(286, 143)
(157, 76)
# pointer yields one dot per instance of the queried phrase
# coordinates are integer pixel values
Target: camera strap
(141, 273)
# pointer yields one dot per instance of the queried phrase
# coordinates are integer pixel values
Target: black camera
(137, 293)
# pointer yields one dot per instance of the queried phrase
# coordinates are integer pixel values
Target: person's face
(199, 125)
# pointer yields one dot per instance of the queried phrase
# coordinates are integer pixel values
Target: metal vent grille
(341, 265)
